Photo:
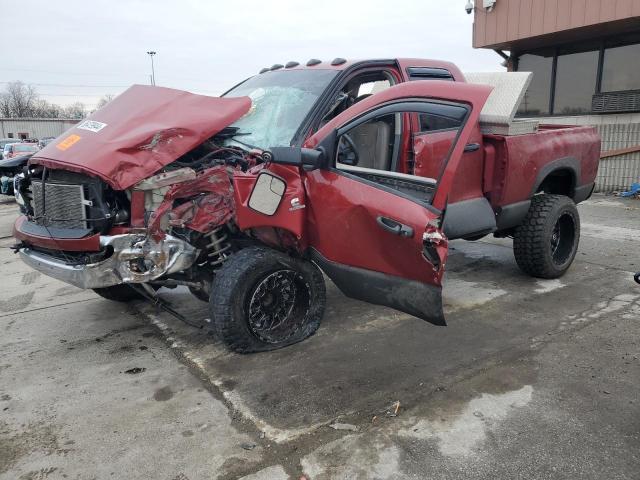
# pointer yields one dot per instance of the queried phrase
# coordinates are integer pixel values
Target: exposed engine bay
(173, 228)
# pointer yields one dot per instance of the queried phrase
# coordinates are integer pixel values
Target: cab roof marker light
(313, 62)
(291, 64)
(277, 66)
(262, 70)
(338, 61)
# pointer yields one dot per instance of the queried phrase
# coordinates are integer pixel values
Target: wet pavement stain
(17, 302)
(163, 394)
(16, 444)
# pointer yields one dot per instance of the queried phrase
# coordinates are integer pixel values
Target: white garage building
(22, 128)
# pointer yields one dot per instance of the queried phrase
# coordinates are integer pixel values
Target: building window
(536, 100)
(621, 68)
(571, 79)
(576, 76)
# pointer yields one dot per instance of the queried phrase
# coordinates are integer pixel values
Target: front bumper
(135, 259)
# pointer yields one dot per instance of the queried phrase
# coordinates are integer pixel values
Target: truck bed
(513, 164)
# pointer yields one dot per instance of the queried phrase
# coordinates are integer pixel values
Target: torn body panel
(290, 215)
(209, 203)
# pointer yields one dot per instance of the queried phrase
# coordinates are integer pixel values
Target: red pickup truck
(363, 170)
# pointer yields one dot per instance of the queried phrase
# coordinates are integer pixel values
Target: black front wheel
(546, 241)
(263, 300)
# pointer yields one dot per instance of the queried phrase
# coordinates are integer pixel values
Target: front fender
(290, 214)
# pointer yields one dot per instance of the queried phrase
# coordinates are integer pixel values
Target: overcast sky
(80, 50)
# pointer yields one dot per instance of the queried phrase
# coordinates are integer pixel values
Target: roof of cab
(343, 64)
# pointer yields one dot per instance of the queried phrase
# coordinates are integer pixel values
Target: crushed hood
(139, 132)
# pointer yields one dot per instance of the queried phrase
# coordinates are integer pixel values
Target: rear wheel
(546, 241)
(264, 300)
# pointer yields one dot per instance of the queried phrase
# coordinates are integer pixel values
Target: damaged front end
(143, 202)
(134, 259)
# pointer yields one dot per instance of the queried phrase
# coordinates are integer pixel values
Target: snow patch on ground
(460, 294)
(546, 286)
(275, 472)
(458, 436)
(351, 457)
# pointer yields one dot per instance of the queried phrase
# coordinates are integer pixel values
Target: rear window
(427, 73)
(442, 117)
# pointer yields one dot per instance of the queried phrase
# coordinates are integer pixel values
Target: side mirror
(295, 156)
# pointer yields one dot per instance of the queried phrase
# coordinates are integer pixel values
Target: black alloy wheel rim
(562, 239)
(278, 306)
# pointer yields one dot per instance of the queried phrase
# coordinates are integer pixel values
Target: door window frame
(414, 105)
(311, 124)
(405, 105)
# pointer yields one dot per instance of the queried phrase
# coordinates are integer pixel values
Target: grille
(64, 205)
(616, 102)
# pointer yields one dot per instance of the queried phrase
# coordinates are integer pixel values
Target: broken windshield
(280, 101)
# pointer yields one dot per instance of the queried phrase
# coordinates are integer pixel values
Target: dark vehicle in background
(18, 149)
(9, 168)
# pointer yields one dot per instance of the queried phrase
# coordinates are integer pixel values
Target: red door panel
(374, 242)
(344, 226)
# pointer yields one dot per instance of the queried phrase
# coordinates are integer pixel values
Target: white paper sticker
(91, 125)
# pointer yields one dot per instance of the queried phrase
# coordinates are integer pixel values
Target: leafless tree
(5, 105)
(44, 109)
(75, 110)
(20, 99)
(104, 100)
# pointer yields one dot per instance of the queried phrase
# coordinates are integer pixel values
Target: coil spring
(218, 246)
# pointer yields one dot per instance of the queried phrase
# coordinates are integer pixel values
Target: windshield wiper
(233, 139)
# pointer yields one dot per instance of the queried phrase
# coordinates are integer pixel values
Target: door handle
(395, 227)
(471, 147)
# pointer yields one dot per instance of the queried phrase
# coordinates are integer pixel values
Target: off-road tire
(119, 293)
(235, 299)
(533, 240)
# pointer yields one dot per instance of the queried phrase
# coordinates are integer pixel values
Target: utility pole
(151, 53)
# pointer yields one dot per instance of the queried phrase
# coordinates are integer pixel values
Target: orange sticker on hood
(68, 142)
